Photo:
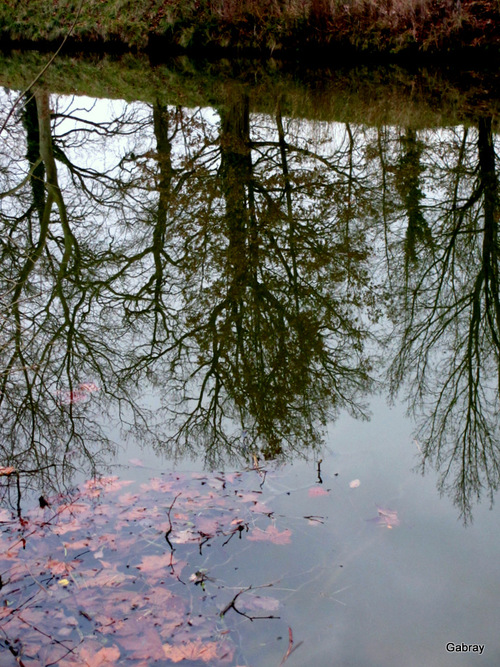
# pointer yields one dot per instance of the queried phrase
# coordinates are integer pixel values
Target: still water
(288, 297)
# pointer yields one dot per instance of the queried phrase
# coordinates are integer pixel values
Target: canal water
(249, 365)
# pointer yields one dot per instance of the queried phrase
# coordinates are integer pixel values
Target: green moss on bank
(268, 26)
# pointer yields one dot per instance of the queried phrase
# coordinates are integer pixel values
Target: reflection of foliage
(408, 182)
(204, 266)
(225, 262)
(51, 341)
(267, 284)
(450, 326)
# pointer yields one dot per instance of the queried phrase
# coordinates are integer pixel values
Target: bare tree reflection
(409, 173)
(216, 273)
(264, 343)
(449, 353)
(51, 338)
(196, 264)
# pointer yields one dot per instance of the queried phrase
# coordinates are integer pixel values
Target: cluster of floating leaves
(111, 573)
(105, 575)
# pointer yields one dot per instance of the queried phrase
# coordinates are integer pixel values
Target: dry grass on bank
(266, 25)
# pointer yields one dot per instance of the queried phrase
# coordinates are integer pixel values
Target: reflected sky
(259, 274)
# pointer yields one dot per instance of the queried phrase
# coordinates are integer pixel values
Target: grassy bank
(366, 94)
(290, 27)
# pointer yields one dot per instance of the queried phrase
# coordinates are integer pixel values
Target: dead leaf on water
(271, 534)
(317, 491)
(387, 518)
(104, 657)
(198, 650)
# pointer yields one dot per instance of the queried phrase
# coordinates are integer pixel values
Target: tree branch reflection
(196, 265)
(264, 339)
(223, 276)
(449, 335)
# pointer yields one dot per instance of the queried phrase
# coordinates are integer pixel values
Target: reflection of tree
(37, 169)
(266, 335)
(226, 267)
(408, 183)
(450, 326)
(50, 343)
(203, 267)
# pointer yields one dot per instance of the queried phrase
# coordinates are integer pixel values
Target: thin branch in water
(232, 605)
(291, 647)
(170, 523)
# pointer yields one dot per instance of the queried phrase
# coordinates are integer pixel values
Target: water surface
(299, 290)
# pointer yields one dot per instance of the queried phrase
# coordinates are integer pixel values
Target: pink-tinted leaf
(157, 484)
(116, 541)
(5, 515)
(128, 499)
(271, 534)
(79, 395)
(197, 650)
(89, 387)
(136, 462)
(66, 397)
(104, 657)
(61, 567)
(255, 602)
(104, 578)
(94, 487)
(386, 518)
(207, 526)
(184, 536)
(6, 470)
(354, 484)
(141, 639)
(157, 565)
(260, 508)
(317, 491)
(68, 527)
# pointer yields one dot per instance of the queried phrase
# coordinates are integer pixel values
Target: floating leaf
(94, 487)
(105, 657)
(260, 508)
(89, 387)
(386, 518)
(255, 602)
(317, 491)
(271, 534)
(79, 395)
(61, 567)
(141, 639)
(198, 650)
(136, 462)
(155, 565)
(66, 397)
(114, 551)
(354, 484)
(6, 470)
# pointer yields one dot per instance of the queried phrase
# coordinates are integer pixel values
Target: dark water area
(249, 366)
